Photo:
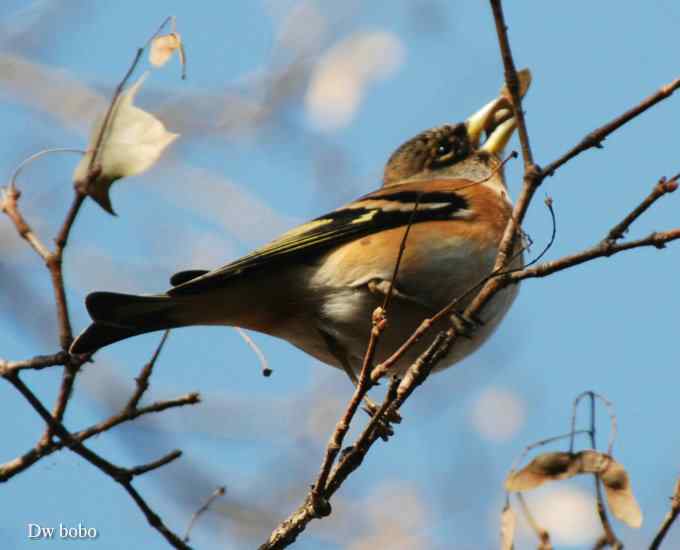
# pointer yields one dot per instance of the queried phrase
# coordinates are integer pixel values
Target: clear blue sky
(609, 326)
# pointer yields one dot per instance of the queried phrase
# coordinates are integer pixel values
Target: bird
(317, 285)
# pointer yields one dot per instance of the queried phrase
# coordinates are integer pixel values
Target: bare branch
(47, 447)
(316, 497)
(38, 362)
(120, 475)
(128, 415)
(596, 137)
(144, 468)
(512, 82)
(671, 516)
(142, 380)
(364, 383)
(601, 250)
(9, 204)
(288, 530)
(662, 188)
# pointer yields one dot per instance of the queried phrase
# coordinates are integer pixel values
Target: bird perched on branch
(317, 285)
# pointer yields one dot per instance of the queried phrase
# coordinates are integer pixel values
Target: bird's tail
(119, 316)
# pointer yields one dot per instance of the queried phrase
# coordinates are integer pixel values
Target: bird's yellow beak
(496, 118)
(499, 137)
(477, 123)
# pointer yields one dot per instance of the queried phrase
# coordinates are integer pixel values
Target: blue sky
(609, 326)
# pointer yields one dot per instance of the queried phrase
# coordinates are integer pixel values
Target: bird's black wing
(384, 209)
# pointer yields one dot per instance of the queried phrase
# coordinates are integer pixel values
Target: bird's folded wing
(386, 208)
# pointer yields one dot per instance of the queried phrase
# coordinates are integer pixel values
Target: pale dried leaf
(508, 524)
(620, 496)
(133, 141)
(616, 483)
(162, 48)
(501, 115)
(593, 462)
(545, 467)
(524, 79)
(560, 465)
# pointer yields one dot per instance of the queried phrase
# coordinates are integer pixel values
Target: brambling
(317, 285)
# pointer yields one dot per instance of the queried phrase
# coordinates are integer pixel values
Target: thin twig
(512, 82)
(400, 255)
(9, 199)
(38, 362)
(144, 468)
(596, 137)
(317, 500)
(662, 188)
(142, 381)
(604, 249)
(204, 508)
(542, 534)
(415, 375)
(426, 324)
(613, 424)
(35, 156)
(609, 535)
(671, 516)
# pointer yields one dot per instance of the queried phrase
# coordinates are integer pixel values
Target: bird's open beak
(496, 118)
(478, 122)
(499, 137)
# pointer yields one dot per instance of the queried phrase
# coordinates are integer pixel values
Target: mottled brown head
(431, 150)
(453, 151)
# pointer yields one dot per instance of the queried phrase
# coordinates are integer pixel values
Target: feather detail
(385, 209)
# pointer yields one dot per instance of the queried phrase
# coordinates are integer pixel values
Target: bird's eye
(444, 149)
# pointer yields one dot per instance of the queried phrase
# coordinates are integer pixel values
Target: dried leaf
(620, 496)
(508, 524)
(555, 466)
(133, 141)
(545, 467)
(616, 483)
(524, 79)
(162, 48)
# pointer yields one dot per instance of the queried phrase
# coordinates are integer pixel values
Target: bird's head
(454, 150)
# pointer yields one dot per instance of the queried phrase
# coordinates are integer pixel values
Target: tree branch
(671, 516)
(596, 137)
(38, 362)
(512, 82)
(120, 475)
(9, 204)
(23, 462)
